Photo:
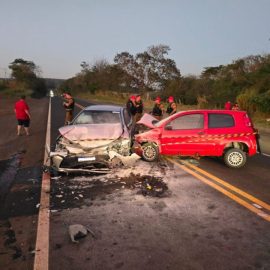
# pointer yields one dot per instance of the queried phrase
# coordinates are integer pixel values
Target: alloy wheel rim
(235, 158)
(149, 152)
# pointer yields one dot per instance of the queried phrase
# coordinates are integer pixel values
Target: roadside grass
(122, 98)
(15, 93)
(259, 120)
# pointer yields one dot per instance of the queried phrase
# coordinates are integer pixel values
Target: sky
(57, 35)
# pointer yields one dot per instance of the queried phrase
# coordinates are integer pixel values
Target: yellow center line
(224, 191)
(231, 187)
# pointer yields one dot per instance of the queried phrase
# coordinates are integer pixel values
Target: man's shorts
(24, 122)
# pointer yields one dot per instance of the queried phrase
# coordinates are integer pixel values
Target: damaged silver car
(94, 140)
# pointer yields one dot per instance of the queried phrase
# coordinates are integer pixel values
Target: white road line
(42, 241)
(267, 155)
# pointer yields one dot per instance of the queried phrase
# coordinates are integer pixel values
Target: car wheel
(149, 152)
(235, 158)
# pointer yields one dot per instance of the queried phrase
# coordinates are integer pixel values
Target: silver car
(94, 140)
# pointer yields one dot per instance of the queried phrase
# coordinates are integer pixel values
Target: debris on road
(84, 190)
(193, 161)
(55, 177)
(127, 161)
(153, 186)
(78, 231)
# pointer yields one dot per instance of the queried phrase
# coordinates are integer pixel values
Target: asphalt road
(253, 178)
(21, 158)
(211, 217)
(194, 226)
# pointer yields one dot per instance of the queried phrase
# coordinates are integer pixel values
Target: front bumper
(61, 162)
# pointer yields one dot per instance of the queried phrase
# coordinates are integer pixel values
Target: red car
(220, 133)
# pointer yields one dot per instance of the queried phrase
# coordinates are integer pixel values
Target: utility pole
(4, 71)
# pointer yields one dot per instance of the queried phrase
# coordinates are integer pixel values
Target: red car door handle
(200, 133)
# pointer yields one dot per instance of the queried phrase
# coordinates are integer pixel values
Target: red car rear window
(218, 120)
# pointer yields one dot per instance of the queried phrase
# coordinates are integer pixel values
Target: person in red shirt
(21, 110)
(228, 105)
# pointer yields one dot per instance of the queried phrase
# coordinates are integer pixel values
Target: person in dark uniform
(131, 107)
(172, 108)
(235, 107)
(139, 108)
(158, 109)
(69, 107)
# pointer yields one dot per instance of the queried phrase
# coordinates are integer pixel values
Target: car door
(180, 136)
(220, 128)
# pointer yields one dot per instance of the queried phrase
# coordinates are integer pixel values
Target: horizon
(59, 36)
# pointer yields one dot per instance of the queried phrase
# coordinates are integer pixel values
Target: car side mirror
(168, 127)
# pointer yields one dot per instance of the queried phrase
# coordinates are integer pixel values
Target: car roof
(104, 108)
(232, 112)
(214, 111)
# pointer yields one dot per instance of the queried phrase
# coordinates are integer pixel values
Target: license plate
(81, 159)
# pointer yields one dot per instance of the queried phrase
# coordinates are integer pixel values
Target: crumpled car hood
(93, 132)
(148, 120)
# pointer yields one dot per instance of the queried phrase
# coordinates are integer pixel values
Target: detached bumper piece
(61, 162)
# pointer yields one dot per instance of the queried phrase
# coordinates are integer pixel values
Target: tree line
(25, 79)
(152, 72)
(245, 80)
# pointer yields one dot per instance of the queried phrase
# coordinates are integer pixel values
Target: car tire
(235, 158)
(149, 152)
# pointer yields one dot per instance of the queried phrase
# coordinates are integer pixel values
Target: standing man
(158, 109)
(228, 105)
(69, 107)
(21, 110)
(131, 107)
(139, 106)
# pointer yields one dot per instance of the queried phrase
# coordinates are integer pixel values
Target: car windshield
(160, 123)
(98, 117)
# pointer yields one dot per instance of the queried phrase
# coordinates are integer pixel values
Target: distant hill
(53, 83)
(50, 82)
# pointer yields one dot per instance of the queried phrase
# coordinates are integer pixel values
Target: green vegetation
(24, 80)
(151, 73)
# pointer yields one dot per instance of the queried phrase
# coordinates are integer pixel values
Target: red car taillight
(247, 121)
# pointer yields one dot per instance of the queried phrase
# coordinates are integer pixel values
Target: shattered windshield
(160, 123)
(98, 117)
